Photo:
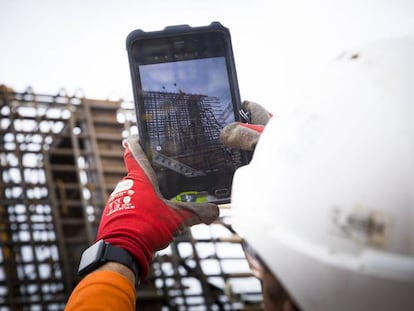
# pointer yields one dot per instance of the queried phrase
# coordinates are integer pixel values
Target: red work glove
(246, 135)
(138, 219)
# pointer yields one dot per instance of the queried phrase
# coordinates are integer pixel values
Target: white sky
(80, 44)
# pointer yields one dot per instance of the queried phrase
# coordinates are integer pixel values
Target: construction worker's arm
(139, 221)
(110, 287)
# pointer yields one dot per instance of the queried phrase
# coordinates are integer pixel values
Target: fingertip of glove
(259, 114)
(126, 141)
(205, 213)
(208, 213)
(226, 132)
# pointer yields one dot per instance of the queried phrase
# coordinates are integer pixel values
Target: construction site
(61, 156)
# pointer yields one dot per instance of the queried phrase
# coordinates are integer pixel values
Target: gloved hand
(246, 135)
(138, 219)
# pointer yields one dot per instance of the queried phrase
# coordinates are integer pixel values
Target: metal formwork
(60, 157)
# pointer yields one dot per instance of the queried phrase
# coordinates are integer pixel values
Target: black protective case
(172, 31)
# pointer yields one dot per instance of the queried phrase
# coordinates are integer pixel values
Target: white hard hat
(328, 198)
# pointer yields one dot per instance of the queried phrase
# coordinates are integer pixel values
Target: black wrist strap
(117, 254)
(102, 252)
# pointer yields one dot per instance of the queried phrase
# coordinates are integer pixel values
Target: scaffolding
(60, 157)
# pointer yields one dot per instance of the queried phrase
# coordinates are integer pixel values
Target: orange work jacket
(102, 290)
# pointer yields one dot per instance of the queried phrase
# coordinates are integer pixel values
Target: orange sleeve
(102, 290)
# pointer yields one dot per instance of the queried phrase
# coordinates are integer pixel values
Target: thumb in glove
(138, 219)
(246, 135)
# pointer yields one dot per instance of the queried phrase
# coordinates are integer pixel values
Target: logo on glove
(120, 198)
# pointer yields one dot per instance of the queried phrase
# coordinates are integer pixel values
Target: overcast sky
(80, 44)
(202, 76)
